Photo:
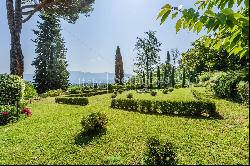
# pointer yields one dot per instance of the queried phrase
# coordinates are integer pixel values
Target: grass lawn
(48, 137)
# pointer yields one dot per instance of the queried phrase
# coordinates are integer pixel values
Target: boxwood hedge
(188, 108)
(72, 100)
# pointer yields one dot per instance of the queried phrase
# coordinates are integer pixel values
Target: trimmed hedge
(72, 100)
(90, 94)
(165, 107)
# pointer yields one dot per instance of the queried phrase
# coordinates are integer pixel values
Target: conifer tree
(119, 72)
(50, 63)
(158, 77)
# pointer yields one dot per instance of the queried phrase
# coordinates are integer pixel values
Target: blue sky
(92, 41)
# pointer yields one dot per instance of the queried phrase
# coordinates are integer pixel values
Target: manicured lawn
(48, 137)
(177, 95)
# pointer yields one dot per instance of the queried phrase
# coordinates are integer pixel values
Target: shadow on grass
(214, 116)
(84, 138)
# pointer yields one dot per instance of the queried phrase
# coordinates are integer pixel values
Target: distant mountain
(86, 77)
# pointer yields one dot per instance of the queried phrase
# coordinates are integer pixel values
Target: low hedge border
(185, 108)
(72, 100)
(89, 94)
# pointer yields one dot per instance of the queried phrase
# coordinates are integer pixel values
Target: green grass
(182, 94)
(48, 136)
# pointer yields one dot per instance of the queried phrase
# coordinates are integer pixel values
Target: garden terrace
(52, 129)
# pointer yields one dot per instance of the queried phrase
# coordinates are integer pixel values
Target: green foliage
(130, 95)
(158, 153)
(72, 100)
(54, 93)
(153, 93)
(74, 90)
(11, 89)
(165, 91)
(229, 25)
(120, 91)
(94, 123)
(7, 113)
(113, 95)
(243, 92)
(187, 108)
(50, 64)
(177, 86)
(29, 91)
(170, 89)
(147, 56)
(201, 58)
(226, 85)
(53, 128)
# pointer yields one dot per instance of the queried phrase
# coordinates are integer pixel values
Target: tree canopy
(229, 26)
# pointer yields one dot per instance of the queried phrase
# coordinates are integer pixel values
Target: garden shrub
(7, 113)
(94, 123)
(11, 89)
(170, 89)
(205, 76)
(74, 90)
(153, 93)
(130, 95)
(54, 93)
(29, 91)
(243, 91)
(187, 108)
(120, 91)
(113, 95)
(72, 100)
(158, 153)
(165, 91)
(226, 85)
(177, 86)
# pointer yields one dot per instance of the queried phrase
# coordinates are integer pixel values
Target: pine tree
(50, 63)
(119, 72)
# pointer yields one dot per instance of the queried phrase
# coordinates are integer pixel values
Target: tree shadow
(84, 138)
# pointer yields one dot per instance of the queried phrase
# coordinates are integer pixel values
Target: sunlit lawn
(48, 136)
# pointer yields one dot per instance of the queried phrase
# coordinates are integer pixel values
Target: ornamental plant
(26, 111)
(11, 89)
(130, 95)
(153, 93)
(94, 124)
(158, 153)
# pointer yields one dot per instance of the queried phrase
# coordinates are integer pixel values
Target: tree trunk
(14, 17)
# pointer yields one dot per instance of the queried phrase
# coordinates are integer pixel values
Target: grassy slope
(48, 136)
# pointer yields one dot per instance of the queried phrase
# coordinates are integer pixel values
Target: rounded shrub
(113, 95)
(153, 93)
(54, 93)
(130, 95)
(243, 91)
(177, 86)
(165, 91)
(158, 153)
(94, 123)
(29, 91)
(11, 89)
(170, 89)
(120, 91)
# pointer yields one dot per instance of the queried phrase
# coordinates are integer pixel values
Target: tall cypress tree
(167, 70)
(50, 63)
(119, 72)
(158, 77)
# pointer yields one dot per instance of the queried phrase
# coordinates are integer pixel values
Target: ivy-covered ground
(48, 137)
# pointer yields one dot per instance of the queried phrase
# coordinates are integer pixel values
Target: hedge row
(72, 100)
(90, 94)
(165, 107)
